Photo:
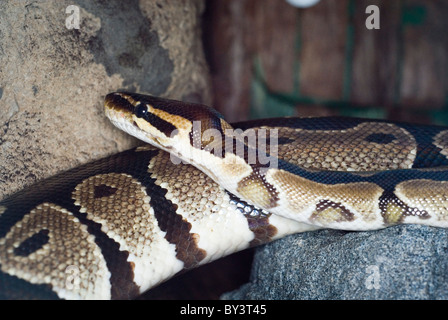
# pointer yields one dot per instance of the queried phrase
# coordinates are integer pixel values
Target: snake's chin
(132, 130)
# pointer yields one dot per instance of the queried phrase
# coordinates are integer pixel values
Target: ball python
(201, 189)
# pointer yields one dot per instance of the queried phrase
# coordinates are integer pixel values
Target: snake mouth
(120, 108)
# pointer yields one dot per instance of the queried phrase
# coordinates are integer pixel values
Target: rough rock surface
(402, 262)
(53, 79)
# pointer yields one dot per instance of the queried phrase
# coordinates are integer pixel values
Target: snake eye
(141, 110)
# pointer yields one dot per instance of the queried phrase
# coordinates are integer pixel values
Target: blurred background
(268, 59)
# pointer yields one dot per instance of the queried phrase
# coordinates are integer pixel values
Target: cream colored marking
(225, 125)
(69, 255)
(428, 195)
(2, 209)
(152, 133)
(127, 217)
(329, 215)
(394, 213)
(233, 165)
(179, 122)
(252, 187)
(441, 141)
(299, 197)
(347, 150)
(146, 147)
(220, 228)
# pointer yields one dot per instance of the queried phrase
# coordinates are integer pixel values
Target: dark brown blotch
(257, 221)
(177, 231)
(262, 229)
(32, 244)
(104, 191)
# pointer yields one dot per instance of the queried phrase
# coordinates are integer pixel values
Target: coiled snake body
(121, 225)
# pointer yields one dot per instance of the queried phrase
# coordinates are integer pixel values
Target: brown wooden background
(268, 58)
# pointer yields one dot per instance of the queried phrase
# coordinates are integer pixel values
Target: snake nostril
(33, 243)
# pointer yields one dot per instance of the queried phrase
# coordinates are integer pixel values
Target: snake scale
(202, 189)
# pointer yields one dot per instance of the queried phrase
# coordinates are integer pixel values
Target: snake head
(164, 123)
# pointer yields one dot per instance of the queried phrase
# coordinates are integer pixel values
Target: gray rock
(401, 262)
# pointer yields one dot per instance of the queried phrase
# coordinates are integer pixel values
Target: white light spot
(302, 3)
